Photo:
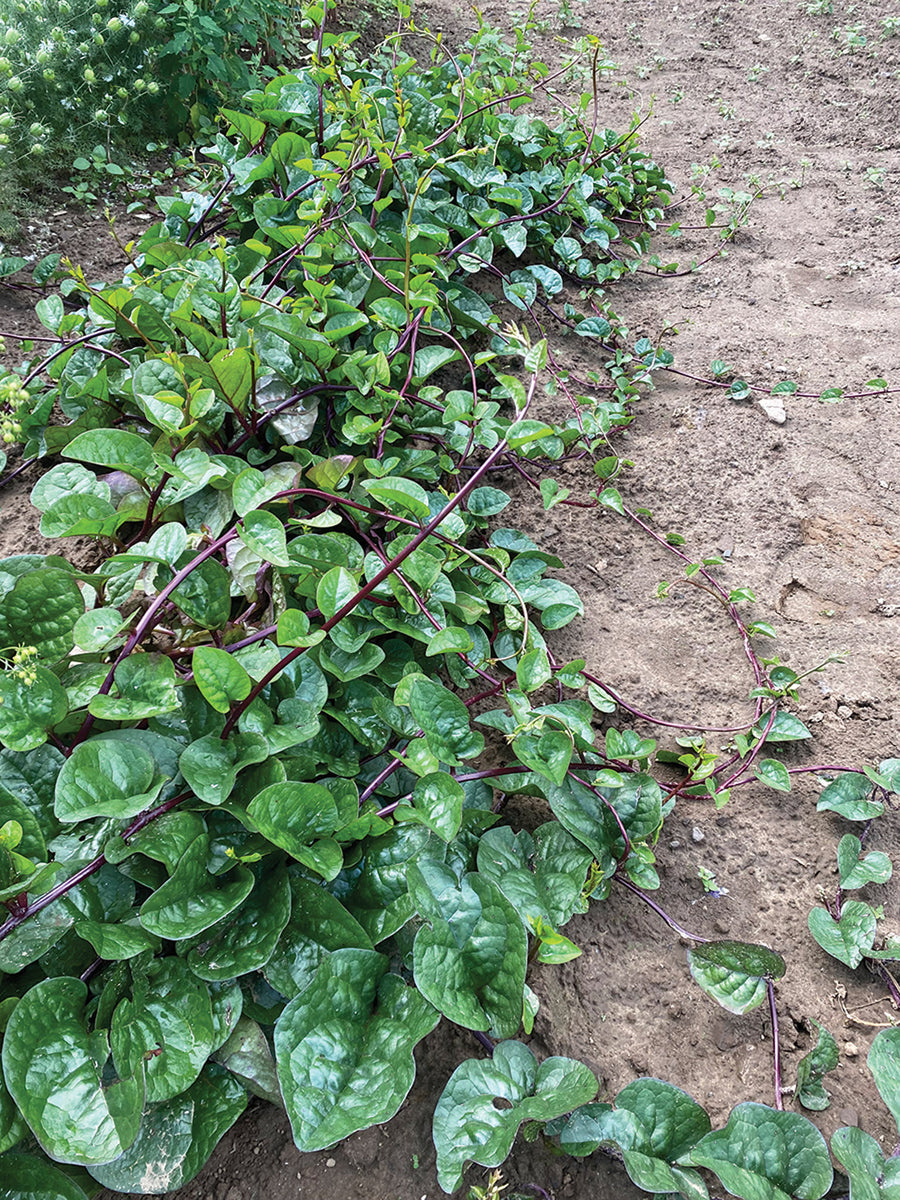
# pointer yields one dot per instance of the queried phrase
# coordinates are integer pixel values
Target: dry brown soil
(806, 514)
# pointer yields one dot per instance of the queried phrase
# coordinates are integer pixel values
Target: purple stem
(660, 912)
(776, 1044)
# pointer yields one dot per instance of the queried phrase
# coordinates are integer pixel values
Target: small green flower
(12, 36)
(15, 84)
(139, 85)
(153, 88)
(101, 116)
(89, 76)
(113, 24)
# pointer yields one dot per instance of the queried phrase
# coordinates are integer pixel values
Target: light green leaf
(210, 766)
(850, 938)
(452, 640)
(437, 801)
(29, 709)
(884, 1063)
(774, 774)
(735, 973)
(856, 872)
(541, 875)
(293, 815)
(871, 1175)
(265, 535)
(192, 899)
(41, 611)
(106, 777)
(471, 1126)
(444, 720)
(848, 795)
(115, 449)
(247, 1056)
(220, 677)
(403, 495)
(145, 684)
(246, 938)
(343, 1048)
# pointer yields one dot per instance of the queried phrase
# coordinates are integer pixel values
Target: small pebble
(851, 1049)
(675, 844)
(330, 1162)
(844, 711)
(697, 835)
(849, 1116)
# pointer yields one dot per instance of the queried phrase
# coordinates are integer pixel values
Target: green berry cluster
(13, 397)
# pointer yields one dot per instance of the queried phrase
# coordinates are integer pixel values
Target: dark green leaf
(856, 872)
(849, 795)
(437, 801)
(210, 765)
(29, 708)
(220, 677)
(871, 1175)
(735, 973)
(343, 1048)
(145, 684)
(884, 1063)
(848, 939)
(107, 777)
(246, 939)
(192, 900)
(27, 1177)
(812, 1067)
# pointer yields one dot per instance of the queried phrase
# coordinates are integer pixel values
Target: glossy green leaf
(884, 1063)
(220, 677)
(774, 774)
(343, 1047)
(167, 1030)
(115, 941)
(848, 795)
(81, 514)
(486, 1100)
(29, 708)
(735, 973)
(115, 449)
(192, 899)
(177, 1136)
(444, 720)
(762, 1154)
(41, 611)
(823, 1057)
(437, 801)
(293, 815)
(205, 595)
(668, 1124)
(403, 495)
(144, 686)
(848, 939)
(210, 766)
(246, 939)
(106, 777)
(469, 958)
(27, 1177)
(856, 872)
(52, 1071)
(541, 875)
(264, 534)
(871, 1175)
(452, 640)
(319, 925)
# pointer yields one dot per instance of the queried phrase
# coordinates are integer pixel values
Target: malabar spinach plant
(253, 756)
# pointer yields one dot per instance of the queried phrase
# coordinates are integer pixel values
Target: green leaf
(167, 1028)
(115, 449)
(29, 709)
(469, 959)
(785, 728)
(117, 941)
(533, 670)
(247, 1056)
(856, 872)
(444, 720)
(41, 611)
(485, 1102)
(668, 1124)
(210, 766)
(735, 973)
(850, 939)
(205, 596)
(192, 899)
(246, 939)
(487, 501)
(319, 925)
(848, 795)
(452, 640)
(106, 777)
(774, 774)
(220, 677)
(52, 1071)
(542, 875)
(145, 684)
(178, 1136)
(404, 495)
(81, 514)
(884, 1063)
(294, 815)
(437, 801)
(871, 1175)
(812, 1067)
(762, 1154)
(430, 359)
(264, 534)
(548, 752)
(343, 1048)
(25, 1177)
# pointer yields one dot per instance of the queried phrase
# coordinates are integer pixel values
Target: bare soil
(805, 513)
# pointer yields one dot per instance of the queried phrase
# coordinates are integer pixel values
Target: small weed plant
(253, 761)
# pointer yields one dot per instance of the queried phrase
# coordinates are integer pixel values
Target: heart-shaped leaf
(343, 1047)
(52, 1072)
(848, 939)
(762, 1154)
(107, 777)
(856, 872)
(486, 1100)
(735, 973)
(848, 795)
